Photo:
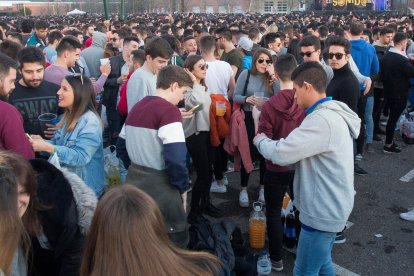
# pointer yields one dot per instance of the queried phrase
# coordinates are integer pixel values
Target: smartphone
(195, 108)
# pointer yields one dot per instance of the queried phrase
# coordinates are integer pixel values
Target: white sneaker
(216, 188)
(261, 197)
(358, 157)
(408, 215)
(244, 199)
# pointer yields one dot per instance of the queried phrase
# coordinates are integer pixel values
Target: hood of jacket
(284, 103)
(349, 116)
(99, 40)
(58, 188)
(359, 45)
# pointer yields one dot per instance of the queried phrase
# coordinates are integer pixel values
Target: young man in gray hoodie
(94, 53)
(321, 149)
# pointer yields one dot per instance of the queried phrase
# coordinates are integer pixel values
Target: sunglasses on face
(203, 66)
(308, 54)
(268, 61)
(338, 56)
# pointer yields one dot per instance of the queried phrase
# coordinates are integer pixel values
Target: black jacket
(344, 87)
(70, 205)
(111, 87)
(396, 72)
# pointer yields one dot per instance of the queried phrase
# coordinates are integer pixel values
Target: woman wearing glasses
(197, 136)
(78, 141)
(252, 89)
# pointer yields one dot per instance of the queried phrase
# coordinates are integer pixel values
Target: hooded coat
(69, 208)
(280, 116)
(322, 150)
(93, 54)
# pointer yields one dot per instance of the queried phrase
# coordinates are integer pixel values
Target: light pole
(105, 4)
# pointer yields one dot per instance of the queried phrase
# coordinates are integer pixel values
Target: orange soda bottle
(257, 227)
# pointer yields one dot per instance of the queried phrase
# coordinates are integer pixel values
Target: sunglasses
(338, 56)
(76, 75)
(308, 54)
(268, 61)
(203, 66)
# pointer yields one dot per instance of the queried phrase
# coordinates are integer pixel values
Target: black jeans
(275, 187)
(199, 147)
(254, 153)
(361, 114)
(114, 123)
(220, 159)
(378, 105)
(396, 107)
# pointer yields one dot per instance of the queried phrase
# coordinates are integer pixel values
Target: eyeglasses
(338, 56)
(203, 66)
(268, 61)
(308, 54)
(78, 75)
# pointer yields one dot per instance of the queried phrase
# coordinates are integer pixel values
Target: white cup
(104, 61)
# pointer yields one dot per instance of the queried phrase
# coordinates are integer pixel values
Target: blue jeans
(369, 122)
(314, 253)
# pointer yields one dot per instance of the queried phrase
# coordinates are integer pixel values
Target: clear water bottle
(264, 266)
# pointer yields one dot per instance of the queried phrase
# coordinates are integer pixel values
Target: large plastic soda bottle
(257, 227)
(264, 266)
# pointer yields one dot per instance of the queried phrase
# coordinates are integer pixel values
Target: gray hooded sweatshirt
(94, 53)
(321, 149)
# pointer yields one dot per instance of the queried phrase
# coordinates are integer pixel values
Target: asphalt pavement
(378, 242)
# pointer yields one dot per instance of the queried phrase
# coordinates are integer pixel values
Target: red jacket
(219, 125)
(280, 116)
(123, 101)
(237, 142)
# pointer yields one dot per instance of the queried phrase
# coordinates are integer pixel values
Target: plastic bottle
(114, 177)
(290, 230)
(264, 266)
(257, 227)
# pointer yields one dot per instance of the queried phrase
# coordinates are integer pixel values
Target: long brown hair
(128, 237)
(189, 64)
(12, 232)
(266, 77)
(83, 101)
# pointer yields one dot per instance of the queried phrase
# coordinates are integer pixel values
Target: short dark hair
(41, 24)
(27, 25)
(400, 37)
(68, 43)
(284, 66)
(31, 54)
(173, 73)
(310, 40)
(270, 38)
(173, 41)
(188, 32)
(254, 33)
(187, 38)
(128, 39)
(138, 56)
(16, 35)
(158, 47)
(313, 26)
(386, 30)
(313, 73)
(6, 63)
(339, 41)
(10, 48)
(121, 33)
(356, 28)
(74, 33)
(224, 33)
(207, 43)
(323, 31)
(53, 36)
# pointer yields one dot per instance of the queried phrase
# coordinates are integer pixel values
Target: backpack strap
(247, 82)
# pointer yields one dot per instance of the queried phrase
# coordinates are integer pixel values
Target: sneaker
(358, 157)
(359, 171)
(216, 188)
(408, 215)
(340, 237)
(244, 199)
(261, 197)
(392, 149)
(277, 266)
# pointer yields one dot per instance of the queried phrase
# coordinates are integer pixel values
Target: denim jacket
(81, 150)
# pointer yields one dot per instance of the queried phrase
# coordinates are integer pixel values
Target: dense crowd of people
(300, 98)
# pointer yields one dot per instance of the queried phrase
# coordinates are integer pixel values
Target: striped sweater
(155, 138)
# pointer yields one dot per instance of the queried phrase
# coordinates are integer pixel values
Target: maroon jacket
(12, 135)
(280, 116)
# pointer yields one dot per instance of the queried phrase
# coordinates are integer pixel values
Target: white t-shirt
(218, 77)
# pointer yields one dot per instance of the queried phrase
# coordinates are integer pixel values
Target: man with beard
(231, 55)
(33, 95)
(12, 135)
